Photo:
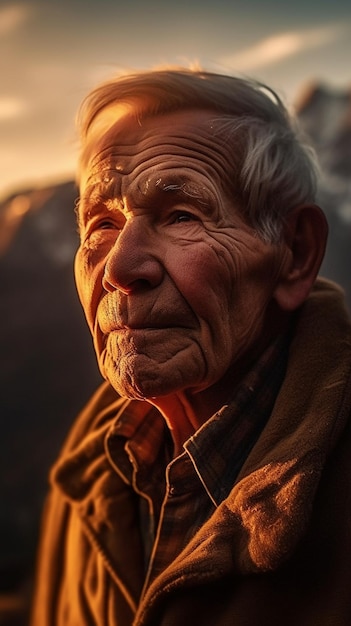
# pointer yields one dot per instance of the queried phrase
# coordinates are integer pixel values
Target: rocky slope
(325, 116)
(47, 368)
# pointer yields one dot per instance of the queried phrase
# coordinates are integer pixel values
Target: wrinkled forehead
(102, 130)
(119, 134)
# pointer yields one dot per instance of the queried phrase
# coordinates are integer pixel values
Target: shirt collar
(137, 440)
(220, 447)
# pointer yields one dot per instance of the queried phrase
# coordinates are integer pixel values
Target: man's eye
(183, 216)
(96, 228)
(105, 225)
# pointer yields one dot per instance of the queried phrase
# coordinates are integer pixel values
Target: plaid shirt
(177, 496)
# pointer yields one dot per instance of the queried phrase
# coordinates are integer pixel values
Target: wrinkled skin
(176, 286)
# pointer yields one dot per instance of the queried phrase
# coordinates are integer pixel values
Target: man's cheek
(85, 289)
(87, 275)
(80, 274)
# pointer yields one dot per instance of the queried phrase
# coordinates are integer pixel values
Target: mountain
(48, 367)
(325, 117)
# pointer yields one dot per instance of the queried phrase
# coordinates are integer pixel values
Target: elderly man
(208, 480)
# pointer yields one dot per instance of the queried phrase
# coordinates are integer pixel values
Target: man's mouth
(136, 322)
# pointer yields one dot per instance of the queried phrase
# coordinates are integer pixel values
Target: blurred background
(51, 54)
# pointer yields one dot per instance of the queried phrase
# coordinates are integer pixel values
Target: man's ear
(305, 238)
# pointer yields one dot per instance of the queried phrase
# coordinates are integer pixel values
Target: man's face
(174, 283)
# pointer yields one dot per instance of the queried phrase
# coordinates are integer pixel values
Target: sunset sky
(53, 51)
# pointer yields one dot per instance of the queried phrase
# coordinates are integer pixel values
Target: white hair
(273, 169)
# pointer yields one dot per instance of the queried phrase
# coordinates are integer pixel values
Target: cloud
(11, 108)
(13, 16)
(274, 49)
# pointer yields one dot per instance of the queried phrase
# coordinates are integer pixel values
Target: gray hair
(273, 170)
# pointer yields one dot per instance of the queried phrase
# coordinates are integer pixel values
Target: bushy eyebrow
(177, 188)
(95, 196)
(190, 190)
(106, 191)
(100, 191)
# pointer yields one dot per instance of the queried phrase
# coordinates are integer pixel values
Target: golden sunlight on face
(174, 283)
(101, 124)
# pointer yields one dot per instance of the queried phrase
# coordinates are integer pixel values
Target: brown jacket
(276, 552)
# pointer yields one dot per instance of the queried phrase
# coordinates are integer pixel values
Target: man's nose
(132, 264)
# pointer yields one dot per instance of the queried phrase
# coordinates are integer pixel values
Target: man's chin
(141, 385)
(140, 377)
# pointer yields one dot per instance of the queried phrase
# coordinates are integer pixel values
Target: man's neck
(187, 410)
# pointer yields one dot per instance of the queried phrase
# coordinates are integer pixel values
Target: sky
(52, 52)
